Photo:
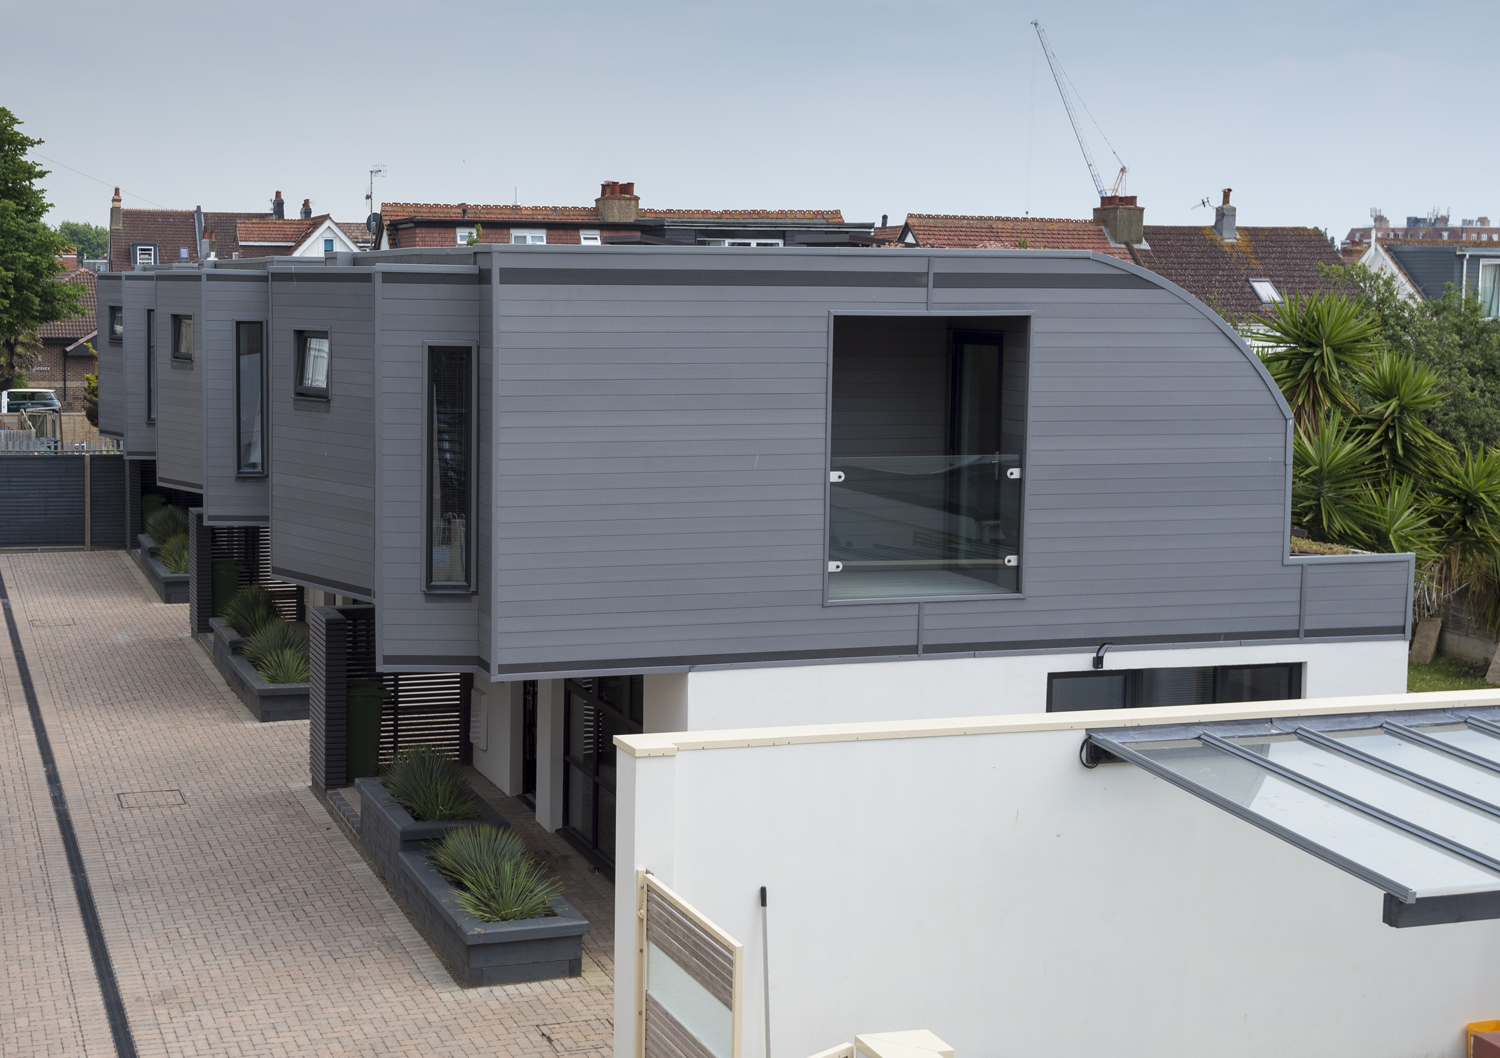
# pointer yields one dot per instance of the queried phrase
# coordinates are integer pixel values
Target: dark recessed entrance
(594, 712)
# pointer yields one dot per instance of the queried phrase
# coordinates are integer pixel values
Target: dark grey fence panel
(42, 499)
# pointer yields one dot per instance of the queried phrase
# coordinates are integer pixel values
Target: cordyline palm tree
(1317, 348)
(1397, 519)
(1465, 493)
(1331, 478)
(1400, 393)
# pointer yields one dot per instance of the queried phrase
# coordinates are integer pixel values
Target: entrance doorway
(594, 712)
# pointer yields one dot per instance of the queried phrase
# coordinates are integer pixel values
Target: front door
(594, 712)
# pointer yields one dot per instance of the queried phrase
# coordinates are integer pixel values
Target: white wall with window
(528, 237)
(589, 238)
(327, 237)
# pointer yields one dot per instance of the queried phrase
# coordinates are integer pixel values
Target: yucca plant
(166, 522)
(1317, 348)
(1331, 477)
(250, 610)
(275, 635)
(174, 554)
(428, 784)
(1401, 393)
(284, 666)
(1465, 491)
(493, 877)
(1397, 519)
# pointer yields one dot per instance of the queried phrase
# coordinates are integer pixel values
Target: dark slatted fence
(42, 500)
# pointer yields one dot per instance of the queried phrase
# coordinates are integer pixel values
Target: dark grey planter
(266, 701)
(169, 587)
(477, 953)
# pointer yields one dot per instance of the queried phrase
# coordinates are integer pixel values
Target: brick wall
(49, 374)
(446, 236)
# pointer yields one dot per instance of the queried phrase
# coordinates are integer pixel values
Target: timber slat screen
(689, 979)
(421, 708)
(249, 547)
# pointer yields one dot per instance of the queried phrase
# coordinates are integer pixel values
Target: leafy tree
(30, 295)
(474, 236)
(90, 239)
(1317, 347)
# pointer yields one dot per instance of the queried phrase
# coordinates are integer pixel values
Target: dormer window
(589, 238)
(520, 237)
(328, 246)
(1265, 290)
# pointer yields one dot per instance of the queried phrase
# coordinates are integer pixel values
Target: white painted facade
(1379, 261)
(973, 878)
(889, 690)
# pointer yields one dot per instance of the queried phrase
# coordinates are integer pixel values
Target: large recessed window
(1489, 288)
(594, 712)
(250, 405)
(1148, 688)
(312, 364)
(182, 337)
(450, 468)
(151, 365)
(116, 323)
(926, 456)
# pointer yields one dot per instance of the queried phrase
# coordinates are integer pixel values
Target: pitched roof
(466, 213)
(1219, 272)
(66, 332)
(172, 231)
(271, 230)
(1010, 233)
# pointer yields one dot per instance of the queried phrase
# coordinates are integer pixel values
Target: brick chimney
(278, 207)
(1224, 219)
(307, 209)
(116, 217)
(618, 203)
(1122, 218)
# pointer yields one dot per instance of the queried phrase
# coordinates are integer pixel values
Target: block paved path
(238, 920)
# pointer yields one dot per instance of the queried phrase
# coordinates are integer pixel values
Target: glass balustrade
(924, 526)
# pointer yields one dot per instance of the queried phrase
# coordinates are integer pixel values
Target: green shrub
(174, 553)
(250, 610)
(493, 877)
(429, 786)
(275, 635)
(166, 522)
(284, 666)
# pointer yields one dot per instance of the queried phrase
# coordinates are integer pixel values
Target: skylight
(1265, 290)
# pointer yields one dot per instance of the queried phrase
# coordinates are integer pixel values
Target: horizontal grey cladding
(179, 382)
(323, 452)
(137, 298)
(228, 299)
(710, 277)
(1038, 281)
(111, 370)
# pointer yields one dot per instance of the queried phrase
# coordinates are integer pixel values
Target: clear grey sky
(1312, 111)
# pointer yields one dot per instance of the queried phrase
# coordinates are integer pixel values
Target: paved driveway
(237, 919)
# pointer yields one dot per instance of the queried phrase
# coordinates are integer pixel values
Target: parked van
(28, 400)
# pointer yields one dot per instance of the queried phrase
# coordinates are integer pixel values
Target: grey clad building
(626, 488)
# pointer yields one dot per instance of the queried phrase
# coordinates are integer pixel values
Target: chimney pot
(278, 207)
(1226, 195)
(1121, 218)
(307, 209)
(1224, 217)
(116, 217)
(885, 220)
(618, 203)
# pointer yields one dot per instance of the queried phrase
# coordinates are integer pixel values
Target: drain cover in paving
(51, 622)
(151, 798)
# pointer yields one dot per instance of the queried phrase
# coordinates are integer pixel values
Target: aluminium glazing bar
(1363, 807)
(1427, 741)
(1483, 726)
(1401, 892)
(1333, 745)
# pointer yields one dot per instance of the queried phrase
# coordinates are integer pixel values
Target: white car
(28, 400)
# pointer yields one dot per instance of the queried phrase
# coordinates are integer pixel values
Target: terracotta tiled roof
(172, 231)
(356, 232)
(66, 332)
(1009, 233)
(288, 232)
(829, 216)
(393, 212)
(1219, 272)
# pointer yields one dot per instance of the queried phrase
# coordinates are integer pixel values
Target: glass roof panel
(1473, 741)
(1471, 779)
(1320, 823)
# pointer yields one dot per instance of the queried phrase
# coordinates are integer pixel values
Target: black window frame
(265, 447)
(116, 323)
(470, 584)
(150, 367)
(1135, 678)
(629, 715)
(312, 392)
(177, 321)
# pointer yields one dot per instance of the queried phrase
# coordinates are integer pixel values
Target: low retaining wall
(477, 953)
(266, 701)
(169, 587)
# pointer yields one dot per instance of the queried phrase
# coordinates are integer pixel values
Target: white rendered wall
(711, 699)
(495, 718)
(992, 890)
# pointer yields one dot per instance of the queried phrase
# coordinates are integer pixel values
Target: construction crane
(1083, 144)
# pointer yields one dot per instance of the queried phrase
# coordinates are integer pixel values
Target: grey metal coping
(1287, 725)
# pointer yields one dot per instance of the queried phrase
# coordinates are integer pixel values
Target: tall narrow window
(150, 365)
(182, 337)
(450, 423)
(312, 364)
(1489, 289)
(249, 338)
(116, 323)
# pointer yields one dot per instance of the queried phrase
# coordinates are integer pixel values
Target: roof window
(1265, 290)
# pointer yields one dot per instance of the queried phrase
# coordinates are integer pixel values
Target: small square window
(328, 246)
(520, 237)
(464, 235)
(182, 253)
(589, 238)
(312, 364)
(116, 323)
(182, 337)
(1265, 290)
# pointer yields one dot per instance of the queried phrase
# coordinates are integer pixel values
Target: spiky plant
(1465, 491)
(494, 878)
(429, 785)
(1397, 519)
(1401, 393)
(174, 554)
(251, 609)
(1316, 349)
(274, 635)
(1331, 475)
(166, 522)
(283, 666)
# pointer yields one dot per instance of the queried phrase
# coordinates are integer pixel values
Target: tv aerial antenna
(371, 221)
(1063, 84)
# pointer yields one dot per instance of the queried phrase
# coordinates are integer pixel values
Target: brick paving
(239, 919)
